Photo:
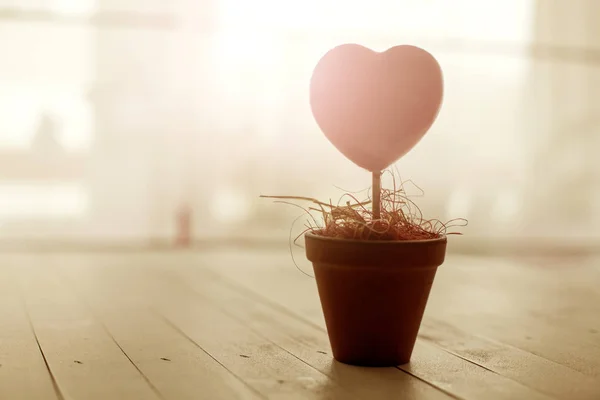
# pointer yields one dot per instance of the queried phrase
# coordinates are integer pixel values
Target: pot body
(373, 294)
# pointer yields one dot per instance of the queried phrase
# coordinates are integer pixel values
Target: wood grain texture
(548, 309)
(306, 341)
(455, 301)
(261, 364)
(176, 366)
(85, 360)
(537, 372)
(246, 325)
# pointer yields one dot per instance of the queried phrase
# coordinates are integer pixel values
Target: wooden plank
(558, 293)
(514, 302)
(266, 367)
(178, 368)
(438, 367)
(546, 376)
(271, 275)
(23, 372)
(536, 372)
(85, 360)
(306, 341)
(465, 379)
(473, 293)
(503, 300)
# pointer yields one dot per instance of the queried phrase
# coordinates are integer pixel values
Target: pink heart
(374, 107)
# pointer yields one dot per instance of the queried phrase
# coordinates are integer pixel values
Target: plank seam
(186, 336)
(52, 377)
(488, 369)
(430, 384)
(78, 295)
(134, 365)
(262, 299)
(55, 385)
(267, 303)
(253, 330)
(445, 325)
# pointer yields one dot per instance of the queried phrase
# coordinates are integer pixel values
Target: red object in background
(184, 227)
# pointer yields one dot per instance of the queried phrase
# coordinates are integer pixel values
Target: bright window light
(73, 7)
(23, 201)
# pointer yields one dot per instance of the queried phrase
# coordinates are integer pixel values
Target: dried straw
(400, 218)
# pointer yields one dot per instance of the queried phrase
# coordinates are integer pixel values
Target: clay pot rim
(442, 238)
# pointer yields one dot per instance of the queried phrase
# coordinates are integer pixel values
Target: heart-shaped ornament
(374, 107)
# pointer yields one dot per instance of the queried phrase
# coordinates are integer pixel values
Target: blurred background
(160, 122)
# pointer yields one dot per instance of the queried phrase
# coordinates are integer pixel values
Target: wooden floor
(243, 324)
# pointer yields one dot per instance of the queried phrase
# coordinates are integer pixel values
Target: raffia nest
(400, 218)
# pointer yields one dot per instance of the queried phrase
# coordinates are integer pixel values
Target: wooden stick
(376, 195)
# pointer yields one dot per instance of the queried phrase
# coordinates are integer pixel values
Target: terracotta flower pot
(373, 294)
